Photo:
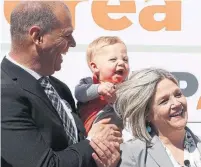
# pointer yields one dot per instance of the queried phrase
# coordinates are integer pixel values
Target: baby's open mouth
(119, 72)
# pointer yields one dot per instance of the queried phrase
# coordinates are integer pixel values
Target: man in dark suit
(38, 116)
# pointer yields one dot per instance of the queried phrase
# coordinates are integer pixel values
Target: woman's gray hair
(134, 97)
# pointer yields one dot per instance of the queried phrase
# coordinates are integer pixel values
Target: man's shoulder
(4, 76)
(7, 81)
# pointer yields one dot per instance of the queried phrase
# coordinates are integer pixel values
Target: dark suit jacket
(32, 133)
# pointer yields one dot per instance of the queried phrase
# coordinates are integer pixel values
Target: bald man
(38, 115)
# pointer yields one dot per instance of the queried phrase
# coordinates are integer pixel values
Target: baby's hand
(107, 90)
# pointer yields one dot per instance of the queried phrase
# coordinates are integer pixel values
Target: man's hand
(105, 140)
(107, 154)
(102, 130)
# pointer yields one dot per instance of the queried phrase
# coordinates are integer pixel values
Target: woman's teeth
(178, 113)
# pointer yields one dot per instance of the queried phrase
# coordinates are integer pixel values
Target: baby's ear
(94, 68)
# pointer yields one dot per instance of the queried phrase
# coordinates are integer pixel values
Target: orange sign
(100, 10)
(199, 104)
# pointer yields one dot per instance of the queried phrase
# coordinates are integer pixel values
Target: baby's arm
(86, 90)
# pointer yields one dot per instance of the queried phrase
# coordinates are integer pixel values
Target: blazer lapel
(199, 146)
(27, 82)
(158, 153)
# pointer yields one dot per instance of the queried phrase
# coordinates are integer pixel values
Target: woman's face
(168, 107)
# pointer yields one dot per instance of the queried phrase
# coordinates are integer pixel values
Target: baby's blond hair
(99, 43)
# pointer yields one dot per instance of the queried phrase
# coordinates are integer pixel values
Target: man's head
(107, 58)
(41, 31)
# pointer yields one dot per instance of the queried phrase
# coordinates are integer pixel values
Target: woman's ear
(94, 68)
(150, 117)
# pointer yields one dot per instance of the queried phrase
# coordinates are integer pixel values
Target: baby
(107, 58)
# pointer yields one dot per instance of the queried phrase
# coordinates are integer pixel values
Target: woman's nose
(175, 102)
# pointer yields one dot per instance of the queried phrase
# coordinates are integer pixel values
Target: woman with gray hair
(152, 104)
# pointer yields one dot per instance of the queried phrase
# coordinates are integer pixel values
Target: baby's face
(112, 63)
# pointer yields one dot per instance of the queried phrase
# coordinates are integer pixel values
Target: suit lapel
(27, 82)
(158, 153)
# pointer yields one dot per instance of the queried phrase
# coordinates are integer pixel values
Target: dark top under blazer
(32, 134)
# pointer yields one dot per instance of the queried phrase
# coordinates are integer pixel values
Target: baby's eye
(126, 60)
(113, 59)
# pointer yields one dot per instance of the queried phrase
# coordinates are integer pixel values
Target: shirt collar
(33, 73)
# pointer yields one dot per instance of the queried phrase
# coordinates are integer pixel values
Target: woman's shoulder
(132, 153)
(134, 141)
(133, 145)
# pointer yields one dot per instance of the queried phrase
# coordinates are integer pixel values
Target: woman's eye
(164, 101)
(178, 94)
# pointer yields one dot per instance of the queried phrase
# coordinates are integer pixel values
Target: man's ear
(94, 68)
(35, 35)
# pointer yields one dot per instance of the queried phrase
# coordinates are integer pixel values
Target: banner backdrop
(157, 33)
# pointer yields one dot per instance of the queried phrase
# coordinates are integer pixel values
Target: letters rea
(100, 10)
